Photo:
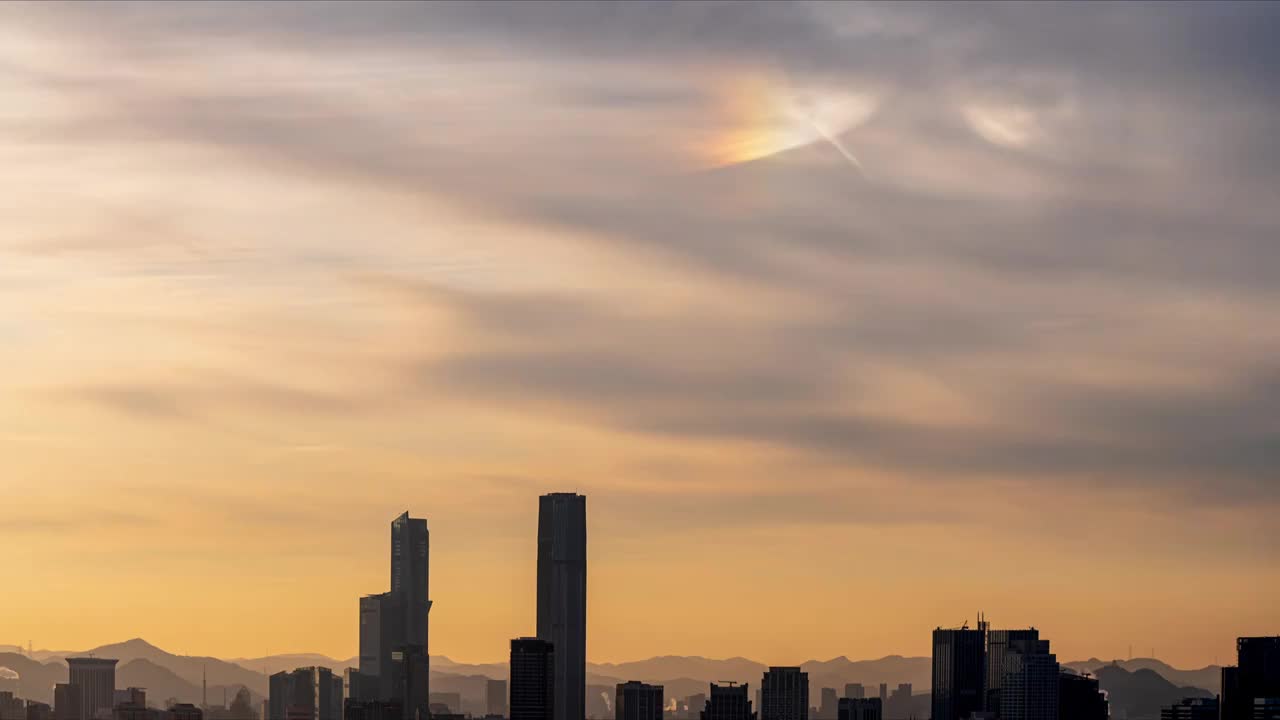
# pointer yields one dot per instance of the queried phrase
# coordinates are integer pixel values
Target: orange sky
(266, 283)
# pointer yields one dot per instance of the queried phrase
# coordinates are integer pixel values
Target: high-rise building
(532, 679)
(1256, 676)
(397, 622)
(784, 694)
(884, 693)
(68, 703)
(1001, 645)
(562, 596)
(638, 701)
(307, 693)
(694, 705)
(827, 710)
(899, 705)
(851, 708)
(1266, 709)
(38, 711)
(11, 706)
(959, 665)
(372, 710)
(495, 696)
(728, 702)
(1191, 709)
(1030, 689)
(855, 691)
(97, 680)
(1079, 698)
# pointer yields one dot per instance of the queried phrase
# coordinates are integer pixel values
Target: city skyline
(869, 316)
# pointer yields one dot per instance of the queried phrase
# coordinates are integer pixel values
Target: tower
(562, 597)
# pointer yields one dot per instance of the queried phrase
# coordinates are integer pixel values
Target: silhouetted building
(183, 711)
(1255, 676)
(851, 708)
(827, 708)
(784, 694)
(562, 596)
(68, 703)
(1266, 709)
(97, 680)
(1079, 698)
(959, 665)
(1030, 689)
(451, 700)
(11, 707)
(372, 710)
(38, 711)
(899, 705)
(307, 693)
(884, 693)
(1191, 709)
(694, 705)
(409, 686)
(638, 701)
(855, 691)
(495, 696)
(410, 575)
(728, 702)
(1001, 645)
(532, 679)
(131, 704)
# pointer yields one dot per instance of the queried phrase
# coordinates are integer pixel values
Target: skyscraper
(562, 597)
(728, 702)
(1079, 697)
(1256, 676)
(381, 632)
(784, 694)
(1001, 646)
(958, 668)
(397, 621)
(68, 703)
(638, 701)
(313, 693)
(532, 679)
(860, 709)
(1030, 685)
(97, 680)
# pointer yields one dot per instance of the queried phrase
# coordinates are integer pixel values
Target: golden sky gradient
(270, 275)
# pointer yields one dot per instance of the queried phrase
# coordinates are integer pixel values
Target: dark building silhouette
(860, 709)
(183, 711)
(855, 691)
(562, 596)
(1030, 686)
(959, 666)
(97, 680)
(1079, 698)
(372, 710)
(1266, 709)
(638, 701)
(827, 707)
(38, 711)
(358, 686)
(11, 707)
(397, 622)
(495, 696)
(728, 702)
(307, 693)
(1001, 646)
(532, 679)
(67, 702)
(898, 706)
(1191, 709)
(131, 704)
(381, 633)
(784, 694)
(1255, 677)
(694, 705)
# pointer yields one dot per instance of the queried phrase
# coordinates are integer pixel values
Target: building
(11, 707)
(959, 666)
(784, 694)
(1079, 698)
(67, 702)
(409, 686)
(450, 700)
(899, 705)
(1255, 676)
(1191, 709)
(562, 596)
(410, 570)
(855, 691)
(860, 709)
(827, 709)
(495, 695)
(97, 680)
(1001, 645)
(1266, 709)
(728, 702)
(532, 679)
(1030, 689)
(694, 705)
(397, 621)
(38, 711)
(372, 710)
(884, 693)
(183, 711)
(308, 693)
(638, 701)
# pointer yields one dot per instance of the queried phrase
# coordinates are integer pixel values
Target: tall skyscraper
(1079, 698)
(638, 701)
(959, 664)
(562, 596)
(1255, 677)
(784, 694)
(495, 695)
(1002, 645)
(307, 693)
(728, 702)
(827, 709)
(97, 680)
(860, 709)
(1030, 685)
(68, 703)
(397, 621)
(532, 679)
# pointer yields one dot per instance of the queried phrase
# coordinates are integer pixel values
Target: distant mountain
(1139, 695)
(1208, 677)
(288, 661)
(35, 679)
(162, 684)
(188, 668)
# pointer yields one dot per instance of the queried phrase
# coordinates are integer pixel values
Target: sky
(850, 320)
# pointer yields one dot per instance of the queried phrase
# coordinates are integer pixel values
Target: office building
(372, 710)
(532, 679)
(884, 693)
(183, 711)
(97, 680)
(68, 703)
(1030, 690)
(827, 707)
(562, 596)
(307, 693)
(728, 702)
(1266, 709)
(38, 711)
(784, 694)
(638, 701)
(855, 691)
(397, 621)
(1191, 709)
(495, 696)
(1001, 646)
(694, 705)
(898, 706)
(1255, 676)
(851, 708)
(1079, 697)
(959, 666)
(11, 706)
